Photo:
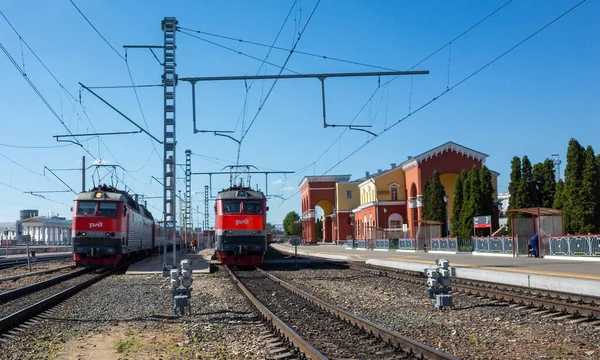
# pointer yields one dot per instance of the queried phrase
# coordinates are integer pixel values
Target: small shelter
(544, 221)
(427, 229)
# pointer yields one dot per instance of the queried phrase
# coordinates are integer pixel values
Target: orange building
(386, 200)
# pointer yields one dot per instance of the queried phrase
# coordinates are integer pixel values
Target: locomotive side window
(107, 209)
(86, 208)
(231, 206)
(252, 207)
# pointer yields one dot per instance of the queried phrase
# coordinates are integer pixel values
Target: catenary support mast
(169, 81)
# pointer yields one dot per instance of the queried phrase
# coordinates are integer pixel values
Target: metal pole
(28, 261)
(83, 173)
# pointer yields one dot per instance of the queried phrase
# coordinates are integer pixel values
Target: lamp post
(385, 225)
(447, 225)
(352, 223)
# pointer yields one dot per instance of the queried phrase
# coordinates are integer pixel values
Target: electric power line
(446, 91)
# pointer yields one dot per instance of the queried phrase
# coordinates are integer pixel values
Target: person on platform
(534, 245)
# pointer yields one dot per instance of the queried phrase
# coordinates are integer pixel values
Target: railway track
(319, 330)
(18, 262)
(20, 305)
(563, 306)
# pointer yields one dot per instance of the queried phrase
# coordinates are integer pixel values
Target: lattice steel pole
(169, 80)
(189, 224)
(206, 195)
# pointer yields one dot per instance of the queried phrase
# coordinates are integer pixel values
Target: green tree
(513, 188)
(559, 195)
(458, 203)
(435, 207)
(291, 224)
(319, 229)
(545, 183)
(486, 192)
(572, 199)
(589, 193)
(527, 187)
(425, 210)
(468, 208)
(514, 184)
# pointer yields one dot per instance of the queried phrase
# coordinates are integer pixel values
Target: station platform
(154, 264)
(574, 276)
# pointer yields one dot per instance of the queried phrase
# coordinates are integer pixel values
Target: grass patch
(51, 346)
(127, 346)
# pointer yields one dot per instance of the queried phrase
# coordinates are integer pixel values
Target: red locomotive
(240, 226)
(108, 226)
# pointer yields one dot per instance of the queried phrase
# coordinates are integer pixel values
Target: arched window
(395, 221)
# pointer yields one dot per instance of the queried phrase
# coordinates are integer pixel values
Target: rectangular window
(252, 207)
(231, 206)
(394, 193)
(349, 194)
(86, 208)
(107, 209)
(395, 224)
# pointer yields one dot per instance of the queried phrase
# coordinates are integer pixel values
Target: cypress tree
(436, 202)
(559, 195)
(426, 198)
(466, 221)
(538, 178)
(597, 211)
(549, 186)
(589, 192)
(487, 192)
(513, 186)
(572, 200)
(513, 189)
(458, 203)
(475, 198)
(527, 187)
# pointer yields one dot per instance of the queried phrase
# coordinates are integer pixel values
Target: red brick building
(388, 199)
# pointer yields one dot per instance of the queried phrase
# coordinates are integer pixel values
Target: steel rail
(15, 319)
(17, 277)
(556, 295)
(8, 263)
(525, 296)
(302, 345)
(15, 293)
(406, 344)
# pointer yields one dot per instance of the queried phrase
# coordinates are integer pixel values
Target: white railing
(495, 244)
(575, 245)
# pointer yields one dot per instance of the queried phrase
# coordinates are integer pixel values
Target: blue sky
(529, 102)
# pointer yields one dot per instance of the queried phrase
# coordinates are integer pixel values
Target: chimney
(393, 165)
(409, 157)
(378, 171)
(366, 174)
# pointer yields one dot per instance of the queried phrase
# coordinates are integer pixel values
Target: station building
(36, 230)
(387, 200)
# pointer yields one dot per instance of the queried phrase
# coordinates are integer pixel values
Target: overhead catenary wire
(411, 80)
(462, 81)
(288, 50)
(262, 104)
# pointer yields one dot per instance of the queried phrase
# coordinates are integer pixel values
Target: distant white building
(504, 199)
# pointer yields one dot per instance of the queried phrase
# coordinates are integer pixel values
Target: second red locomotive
(240, 226)
(109, 225)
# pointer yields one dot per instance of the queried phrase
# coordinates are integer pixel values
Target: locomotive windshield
(86, 208)
(231, 206)
(252, 207)
(107, 209)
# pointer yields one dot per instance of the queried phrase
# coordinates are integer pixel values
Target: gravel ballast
(333, 337)
(473, 330)
(130, 316)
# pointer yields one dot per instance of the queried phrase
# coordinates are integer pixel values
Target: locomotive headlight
(83, 233)
(79, 233)
(112, 234)
(107, 234)
(98, 195)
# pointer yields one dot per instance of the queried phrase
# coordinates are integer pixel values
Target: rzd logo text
(98, 224)
(242, 222)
